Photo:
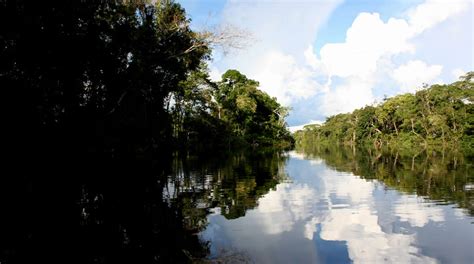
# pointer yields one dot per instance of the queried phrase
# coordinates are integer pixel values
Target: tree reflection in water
(333, 211)
(130, 210)
(441, 177)
(146, 211)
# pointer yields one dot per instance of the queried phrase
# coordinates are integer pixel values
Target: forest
(100, 100)
(119, 145)
(125, 79)
(438, 117)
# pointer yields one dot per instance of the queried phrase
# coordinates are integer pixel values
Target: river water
(317, 205)
(338, 207)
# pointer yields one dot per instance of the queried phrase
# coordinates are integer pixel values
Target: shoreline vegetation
(111, 116)
(101, 97)
(437, 118)
(128, 79)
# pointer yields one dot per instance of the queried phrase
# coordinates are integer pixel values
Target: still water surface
(335, 208)
(320, 205)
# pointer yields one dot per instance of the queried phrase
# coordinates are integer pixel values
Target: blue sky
(323, 57)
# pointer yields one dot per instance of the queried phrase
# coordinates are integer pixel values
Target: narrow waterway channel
(320, 212)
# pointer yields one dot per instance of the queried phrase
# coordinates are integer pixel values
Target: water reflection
(441, 177)
(324, 215)
(327, 205)
(229, 184)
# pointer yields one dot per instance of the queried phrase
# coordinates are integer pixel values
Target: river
(331, 207)
(317, 205)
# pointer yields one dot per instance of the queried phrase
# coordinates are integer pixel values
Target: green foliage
(253, 115)
(438, 117)
(98, 94)
(96, 72)
(233, 111)
(121, 78)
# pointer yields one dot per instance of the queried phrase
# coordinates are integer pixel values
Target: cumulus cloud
(300, 127)
(214, 74)
(414, 73)
(313, 61)
(361, 229)
(281, 76)
(458, 72)
(337, 206)
(369, 49)
(432, 12)
(282, 31)
(375, 52)
(411, 209)
(281, 209)
(374, 246)
(367, 40)
(296, 155)
(355, 92)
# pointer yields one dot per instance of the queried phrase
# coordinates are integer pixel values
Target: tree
(253, 115)
(438, 117)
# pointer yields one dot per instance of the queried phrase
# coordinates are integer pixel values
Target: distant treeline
(436, 117)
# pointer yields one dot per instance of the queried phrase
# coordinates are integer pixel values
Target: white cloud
(310, 228)
(281, 76)
(300, 127)
(344, 207)
(369, 51)
(412, 210)
(281, 209)
(215, 74)
(296, 155)
(367, 40)
(359, 224)
(374, 246)
(355, 92)
(458, 72)
(432, 12)
(313, 61)
(282, 31)
(342, 76)
(413, 74)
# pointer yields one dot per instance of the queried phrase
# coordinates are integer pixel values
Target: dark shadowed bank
(98, 210)
(101, 100)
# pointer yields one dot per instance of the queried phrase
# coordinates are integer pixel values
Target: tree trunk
(454, 122)
(395, 126)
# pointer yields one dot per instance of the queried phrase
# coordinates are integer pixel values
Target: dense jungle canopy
(124, 79)
(436, 117)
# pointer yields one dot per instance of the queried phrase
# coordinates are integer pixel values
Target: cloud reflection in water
(374, 224)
